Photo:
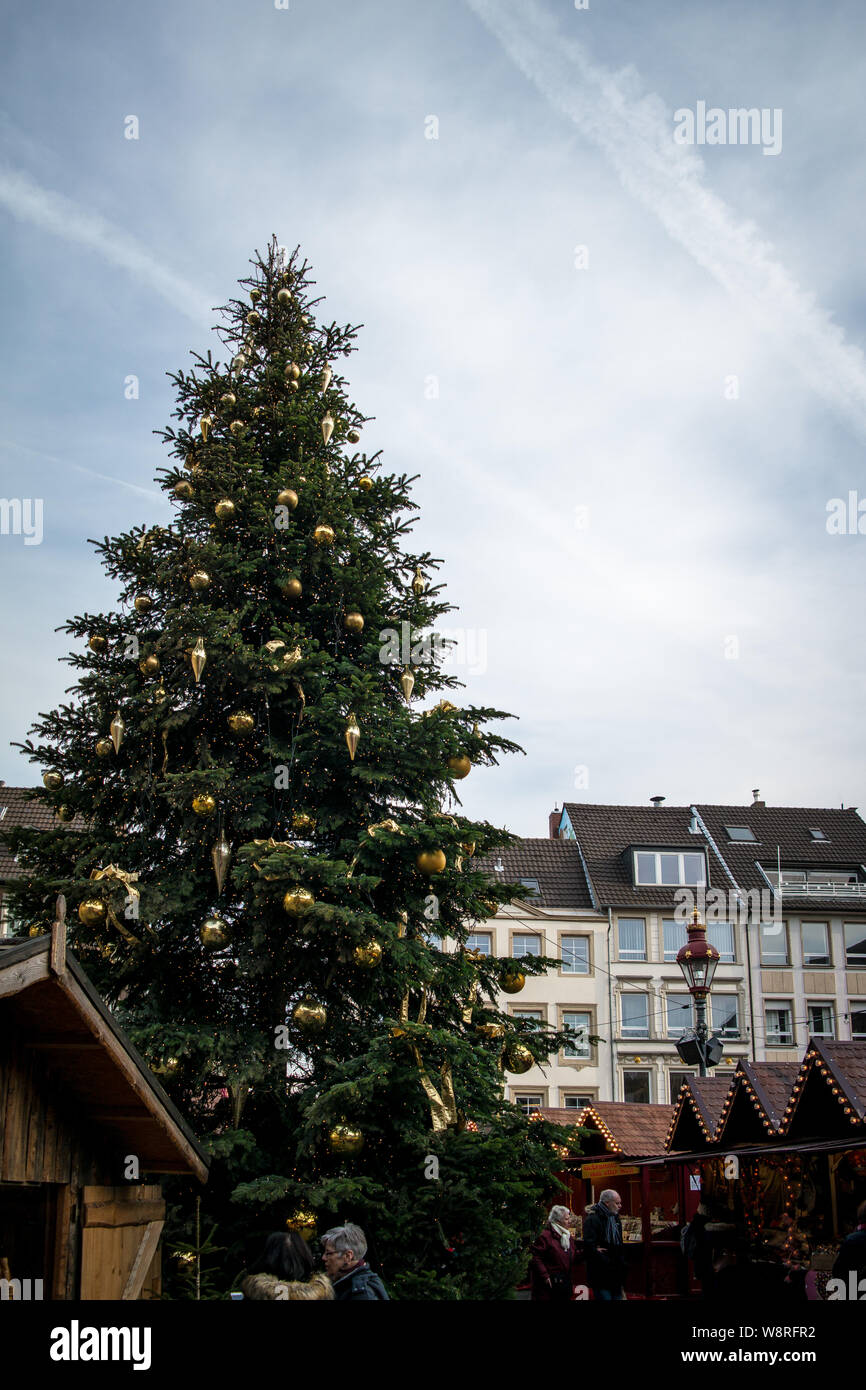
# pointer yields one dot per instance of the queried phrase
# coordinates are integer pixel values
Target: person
(343, 1251)
(284, 1270)
(852, 1251)
(602, 1244)
(698, 1248)
(553, 1258)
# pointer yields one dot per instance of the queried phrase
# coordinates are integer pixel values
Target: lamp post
(698, 960)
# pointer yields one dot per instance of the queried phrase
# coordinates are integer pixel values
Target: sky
(628, 370)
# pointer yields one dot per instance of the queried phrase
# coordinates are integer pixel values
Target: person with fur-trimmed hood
(284, 1271)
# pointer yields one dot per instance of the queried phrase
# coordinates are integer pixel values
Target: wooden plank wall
(41, 1137)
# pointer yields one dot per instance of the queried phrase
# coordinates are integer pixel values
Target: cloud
(634, 130)
(80, 468)
(29, 202)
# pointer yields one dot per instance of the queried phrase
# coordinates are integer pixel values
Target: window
(576, 1100)
(741, 832)
(526, 946)
(679, 1014)
(816, 949)
(632, 938)
(858, 1019)
(665, 867)
(674, 937)
(480, 941)
(635, 1015)
(822, 1023)
(636, 1087)
(855, 943)
(774, 943)
(531, 886)
(529, 1102)
(778, 1026)
(725, 1014)
(578, 1024)
(721, 935)
(575, 955)
(676, 1080)
(535, 1014)
(817, 833)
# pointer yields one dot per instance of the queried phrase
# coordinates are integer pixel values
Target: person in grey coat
(602, 1246)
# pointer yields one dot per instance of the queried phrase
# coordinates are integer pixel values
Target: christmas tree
(259, 834)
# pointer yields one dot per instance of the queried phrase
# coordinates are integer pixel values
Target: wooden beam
(121, 1213)
(19, 977)
(143, 1258)
(57, 949)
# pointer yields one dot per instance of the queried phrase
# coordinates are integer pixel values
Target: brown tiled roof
(20, 810)
(605, 832)
(554, 863)
(756, 1100)
(771, 1082)
(630, 1128)
(700, 1101)
(786, 828)
(843, 1067)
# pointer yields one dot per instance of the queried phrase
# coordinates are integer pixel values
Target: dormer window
(741, 832)
(669, 868)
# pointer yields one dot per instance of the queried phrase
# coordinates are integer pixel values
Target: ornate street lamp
(698, 960)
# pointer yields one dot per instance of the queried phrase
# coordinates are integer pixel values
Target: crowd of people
(285, 1270)
(564, 1267)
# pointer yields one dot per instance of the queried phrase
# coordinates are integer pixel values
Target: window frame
(638, 1071)
(566, 1055)
(860, 962)
(474, 935)
(518, 1096)
(777, 964)
(722, 1032)
(619, 949)
(530, 935)
(828, 1004)
(659, 882)
(819, 964)
(774, 1005)
(678, 994)
(644, 1035)
(576, 936)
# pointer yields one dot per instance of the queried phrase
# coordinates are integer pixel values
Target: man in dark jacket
(852, 1252)
(602, 1245)
(343, 1251)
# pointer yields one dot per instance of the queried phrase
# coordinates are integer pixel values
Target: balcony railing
(814, 888)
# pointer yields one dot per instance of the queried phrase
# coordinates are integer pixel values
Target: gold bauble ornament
(519, 1059)
(241, 723)
(183, 490)
(304, 1222)
(228, 400)
(512, 983)
(292, 372)
(204, 425)
(293, 385)
(97, 644)
(302, 822)
(353, 437)
(419, 583)
(310, 1017)
(237, 427)
(308, 349)
(460, 767)
(52, 781)
(198, 657)
(343, 1139)
(297, 901)
(213, 933)
(369, 955)
(327, 428)
(354, 622)
(142, 603)
(92, 912)
(324, 534)
(291, 587)
(255, 295)
(325, 378)
(149, 666)
(284, 297)
(65, 813)
(199, 581)
(204, 804)
(353, 736)
(117, 729)
(287, 498)
(224, 509)
(36, 931)
(365, 483)
(278, 655)
(431, 861)
(253, 318)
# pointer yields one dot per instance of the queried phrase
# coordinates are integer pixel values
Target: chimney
(657, 800)
(553, 823)
(757, 803)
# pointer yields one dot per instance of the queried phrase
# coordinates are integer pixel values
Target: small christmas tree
(259, 834)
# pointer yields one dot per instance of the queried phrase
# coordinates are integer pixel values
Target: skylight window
(740, 832)
(817, 833)
(531, 884)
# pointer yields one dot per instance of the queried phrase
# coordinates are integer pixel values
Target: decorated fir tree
(259, 834)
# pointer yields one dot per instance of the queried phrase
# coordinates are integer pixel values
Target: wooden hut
(83, 1123)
